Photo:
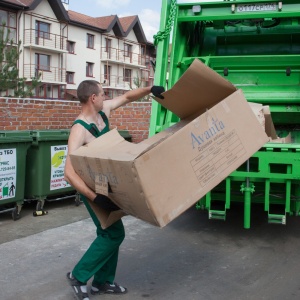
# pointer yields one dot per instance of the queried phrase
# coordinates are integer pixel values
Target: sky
(148, 11)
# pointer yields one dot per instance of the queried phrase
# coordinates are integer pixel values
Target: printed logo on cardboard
(217, 148)
(214, 128)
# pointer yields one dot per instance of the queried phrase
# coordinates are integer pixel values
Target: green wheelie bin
(13, 150)
(125, 134)
(45, 168)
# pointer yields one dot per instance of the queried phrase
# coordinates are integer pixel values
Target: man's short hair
(87, 88)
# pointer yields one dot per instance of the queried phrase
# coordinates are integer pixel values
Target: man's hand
(105, 203)
(157, 91)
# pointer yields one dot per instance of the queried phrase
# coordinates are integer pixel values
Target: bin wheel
(77, 199)
(39, 205)
(15, 214)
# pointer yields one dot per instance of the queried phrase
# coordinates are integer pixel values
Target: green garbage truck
(256, 46)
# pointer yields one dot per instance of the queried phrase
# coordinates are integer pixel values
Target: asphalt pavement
(192, 258)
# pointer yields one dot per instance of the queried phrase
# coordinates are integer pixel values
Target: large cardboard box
(161, 177)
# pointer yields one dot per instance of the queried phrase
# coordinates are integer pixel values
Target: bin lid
(50, 135)
(15, 136)
(124, 133)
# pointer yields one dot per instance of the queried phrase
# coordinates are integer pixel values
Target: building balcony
(124, 83)
(47, 74)
(45, 40)
(124, 57)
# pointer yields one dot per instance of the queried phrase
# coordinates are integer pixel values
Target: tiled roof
(105, 22)
(120, 26)
(127, 22)
(83, 19)
(56, 6)
(20, 2)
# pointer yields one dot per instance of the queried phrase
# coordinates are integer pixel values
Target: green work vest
(92, 128)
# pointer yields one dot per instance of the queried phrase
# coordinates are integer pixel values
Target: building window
(40, 91)
(89, 69)
(50, 91)
(107, 70)
(42, 30)
(107, 45)
(62, 92)
(127, 75)
(71, 47)
(90, 41)
(10, 24)
(8, 18)
(42, 62)
(70, 77)
(44, 91)
(108, 93)
(127, 49)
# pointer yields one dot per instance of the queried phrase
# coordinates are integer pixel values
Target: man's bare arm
(76, 140)
(129, 96)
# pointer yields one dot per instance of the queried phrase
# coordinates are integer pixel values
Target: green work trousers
(101, 259)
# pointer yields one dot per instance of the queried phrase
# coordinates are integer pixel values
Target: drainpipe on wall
(18, 35)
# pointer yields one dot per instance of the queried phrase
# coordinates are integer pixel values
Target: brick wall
(31, 114)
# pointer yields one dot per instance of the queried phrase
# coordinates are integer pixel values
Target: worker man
(100, 260)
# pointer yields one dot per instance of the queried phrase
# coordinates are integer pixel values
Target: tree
(9, 73)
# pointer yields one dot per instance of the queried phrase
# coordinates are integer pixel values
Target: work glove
(156, 90)
(105, 203)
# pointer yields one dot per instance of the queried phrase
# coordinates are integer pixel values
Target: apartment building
(65, 47)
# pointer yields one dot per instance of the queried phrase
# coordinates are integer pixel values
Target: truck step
(277, 219)
(217, 214)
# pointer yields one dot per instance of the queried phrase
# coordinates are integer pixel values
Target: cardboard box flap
(198, 89)
(106, 218)
(119, 148)
(158, 138)
(257, 109)
(269, 125)
(282, 140)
